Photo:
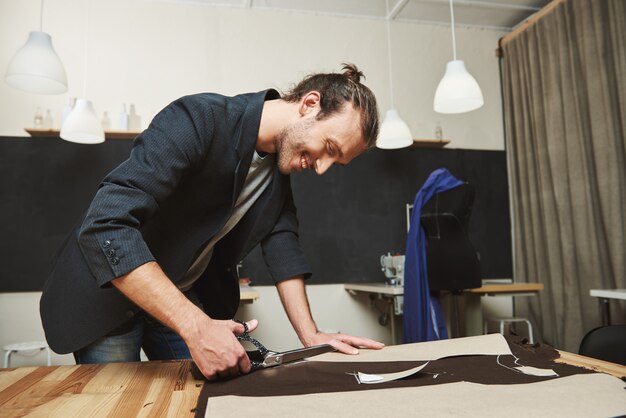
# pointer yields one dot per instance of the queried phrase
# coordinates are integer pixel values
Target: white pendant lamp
(82, 125)
(394, 132)
(458, 91)
(36, 67)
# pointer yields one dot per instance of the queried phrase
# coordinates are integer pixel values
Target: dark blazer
(164, 203)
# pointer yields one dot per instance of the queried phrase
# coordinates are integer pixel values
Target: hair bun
(353, 73)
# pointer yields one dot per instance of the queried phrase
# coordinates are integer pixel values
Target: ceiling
(490, 14)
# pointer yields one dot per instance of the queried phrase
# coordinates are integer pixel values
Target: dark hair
(335, 91)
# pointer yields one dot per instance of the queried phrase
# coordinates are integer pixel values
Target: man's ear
(309, 102)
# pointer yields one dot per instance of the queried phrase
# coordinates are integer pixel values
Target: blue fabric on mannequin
(423, 317)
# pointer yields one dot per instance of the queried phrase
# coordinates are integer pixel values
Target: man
(150, 266)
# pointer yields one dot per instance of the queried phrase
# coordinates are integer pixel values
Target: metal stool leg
(501, 327)
(7, 359)
(530, 332)
(26, 347)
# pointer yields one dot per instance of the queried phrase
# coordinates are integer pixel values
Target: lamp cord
(85, 47)
(41, 18)
(452, 27)
(389, 52)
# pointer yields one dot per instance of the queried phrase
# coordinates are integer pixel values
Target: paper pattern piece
(534, 371)
(492, 344)
(368, 378)
(387, 377)
(584, 395)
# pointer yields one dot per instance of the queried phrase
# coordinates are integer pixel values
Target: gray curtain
(564, 83)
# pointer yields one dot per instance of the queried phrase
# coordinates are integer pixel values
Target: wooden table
(508, 289)
(159, 388)
(115, 389)
(472, 309)
(248, 294)
(472, 304)
(614, 369)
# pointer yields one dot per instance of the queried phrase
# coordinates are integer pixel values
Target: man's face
(317, 145)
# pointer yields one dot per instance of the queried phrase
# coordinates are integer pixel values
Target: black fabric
(452, 260)
(322, 377)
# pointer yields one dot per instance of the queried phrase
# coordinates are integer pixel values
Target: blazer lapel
(247, 138)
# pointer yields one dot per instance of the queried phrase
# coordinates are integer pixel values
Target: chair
(26, 347)
(606, 343)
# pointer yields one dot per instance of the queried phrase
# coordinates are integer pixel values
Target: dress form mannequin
(452, 261)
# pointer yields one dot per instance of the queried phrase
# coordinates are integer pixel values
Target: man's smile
(304, 164)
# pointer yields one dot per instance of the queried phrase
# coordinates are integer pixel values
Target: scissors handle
(246, 337)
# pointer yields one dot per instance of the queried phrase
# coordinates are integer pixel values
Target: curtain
(564, 86)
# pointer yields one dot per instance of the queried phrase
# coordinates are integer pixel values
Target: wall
(151, 52)
(19, 319)
(333, 308)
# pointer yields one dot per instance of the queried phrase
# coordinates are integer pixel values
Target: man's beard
(290, 144)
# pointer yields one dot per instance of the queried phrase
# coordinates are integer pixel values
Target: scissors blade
(297, 354)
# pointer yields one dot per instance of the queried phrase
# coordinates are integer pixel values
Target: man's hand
(212, 343)
(215, 349)
(293, 296)
(344, 343)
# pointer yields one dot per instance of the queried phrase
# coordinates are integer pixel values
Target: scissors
(264, 358)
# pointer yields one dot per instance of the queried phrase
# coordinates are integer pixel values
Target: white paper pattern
(387, 377)
(492, 344)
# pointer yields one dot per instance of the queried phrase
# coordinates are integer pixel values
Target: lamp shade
(36, 67)
(458, 91)
(394, 133)
(82, 125)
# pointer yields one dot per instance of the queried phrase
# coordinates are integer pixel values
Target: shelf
(430, 143)
(52, 133)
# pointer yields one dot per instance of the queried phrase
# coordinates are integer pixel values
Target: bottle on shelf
(438, 131)
(38, 120)
(134, 120)
(122, 119)
(47, 120)
(106, 121)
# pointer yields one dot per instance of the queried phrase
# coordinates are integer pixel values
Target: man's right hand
(212, 343)
(214, 346)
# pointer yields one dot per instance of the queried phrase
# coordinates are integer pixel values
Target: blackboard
(46, 184)
(348, 217)
(352, 215)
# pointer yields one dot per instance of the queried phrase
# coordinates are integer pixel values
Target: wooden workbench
(115, 389)
(159, 388)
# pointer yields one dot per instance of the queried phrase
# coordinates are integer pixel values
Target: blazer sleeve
(281, 247)
(175, 142)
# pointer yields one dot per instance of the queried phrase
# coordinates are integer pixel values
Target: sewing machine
(393, 267)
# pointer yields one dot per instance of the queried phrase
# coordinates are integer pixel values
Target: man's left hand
(344, 343)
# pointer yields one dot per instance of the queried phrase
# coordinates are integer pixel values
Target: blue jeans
(125, 343)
